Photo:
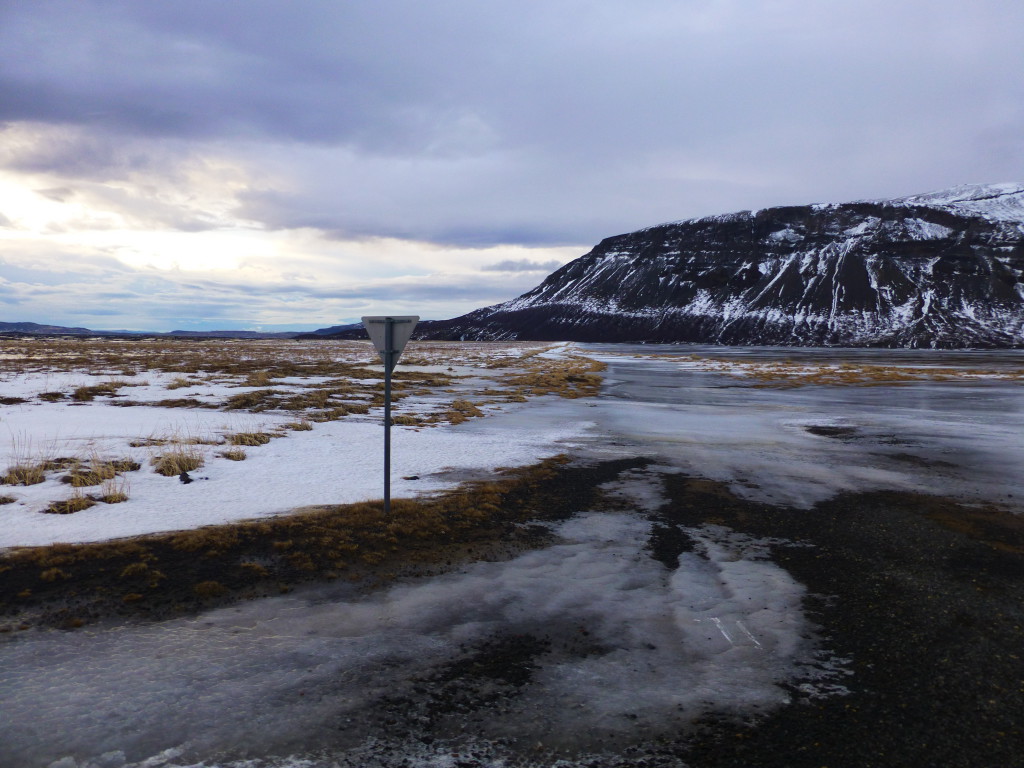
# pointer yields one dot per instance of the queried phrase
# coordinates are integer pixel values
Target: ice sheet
(958, 438)
(633, 649)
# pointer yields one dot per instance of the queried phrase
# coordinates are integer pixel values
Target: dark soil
(926, 597)
(159, 576)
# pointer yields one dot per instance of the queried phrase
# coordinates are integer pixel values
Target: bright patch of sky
(269, 165)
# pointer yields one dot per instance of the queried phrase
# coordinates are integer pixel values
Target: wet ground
(813, 576)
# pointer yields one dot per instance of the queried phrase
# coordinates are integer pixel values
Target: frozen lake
(619, 647)
(803, 443)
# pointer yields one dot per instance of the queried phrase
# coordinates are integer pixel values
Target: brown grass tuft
(179, 383)
(177, 460)
(69, 506)
(258, 379)
(249, 438)
(234, 454)
(115, 491)
(206, 589)
(25, 474)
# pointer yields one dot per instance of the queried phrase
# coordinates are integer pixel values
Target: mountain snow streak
(935, 270)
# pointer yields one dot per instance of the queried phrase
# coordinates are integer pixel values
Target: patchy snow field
(633, 648)
(75, 407)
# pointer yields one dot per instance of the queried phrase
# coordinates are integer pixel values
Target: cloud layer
(242, 142)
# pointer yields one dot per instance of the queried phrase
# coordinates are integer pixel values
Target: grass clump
(406, 420)
(4, 499)
(51, 397)
(258, 400)
(97, 472)
(258, 379)
(180, 382)
(76, 503)
(303, 425)
(249, 438)
(87, 393)
(460, 411)
(183, 402)
(234, 454)
(53, 574)
(115, 491)
(179, 459)
(25, 474)
(207, 589)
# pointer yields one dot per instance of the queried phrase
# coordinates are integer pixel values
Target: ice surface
(960, 438)
(634, 649)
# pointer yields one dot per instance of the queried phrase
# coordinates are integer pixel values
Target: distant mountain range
(936, 270)
(36, 329)
(940, 270)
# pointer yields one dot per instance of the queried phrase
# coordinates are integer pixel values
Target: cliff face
(938, 270)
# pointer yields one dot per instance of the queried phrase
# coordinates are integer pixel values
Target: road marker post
(389, 335)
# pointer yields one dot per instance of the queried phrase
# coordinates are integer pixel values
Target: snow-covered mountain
(933, 270)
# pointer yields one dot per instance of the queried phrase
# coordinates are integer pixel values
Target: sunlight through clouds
(222, 153)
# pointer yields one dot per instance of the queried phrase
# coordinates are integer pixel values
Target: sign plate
(396, 329)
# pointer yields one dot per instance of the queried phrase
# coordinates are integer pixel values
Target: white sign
(390, 334)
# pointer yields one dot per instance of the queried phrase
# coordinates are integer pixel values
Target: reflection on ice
(953, 438)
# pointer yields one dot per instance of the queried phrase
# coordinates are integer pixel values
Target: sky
(248, 164)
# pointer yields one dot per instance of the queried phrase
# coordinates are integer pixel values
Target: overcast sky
(294, 165)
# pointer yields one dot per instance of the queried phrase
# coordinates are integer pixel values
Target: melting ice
(621, 647)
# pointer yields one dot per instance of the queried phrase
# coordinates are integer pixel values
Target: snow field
(336, 461)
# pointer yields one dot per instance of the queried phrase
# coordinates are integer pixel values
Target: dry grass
(180, 458)
(259, 400)
(88, 393)
(25, 474)
(249, 438)
(152, 572)
(4, 499)
(180, 382)
(407, 421)
(234, 454)
(97, 471)
(114, 490)
(788, 373)
(258, 379)
(76, 503)
(348, 379)
(460, 411)
(303, 425)
(208, 589)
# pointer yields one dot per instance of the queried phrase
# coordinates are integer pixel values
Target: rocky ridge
(936, 270)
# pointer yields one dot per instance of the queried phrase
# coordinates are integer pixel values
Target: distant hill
(350, 331)
(37, 329)
(936, 270)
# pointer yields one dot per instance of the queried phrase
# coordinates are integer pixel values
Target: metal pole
(389, 353)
